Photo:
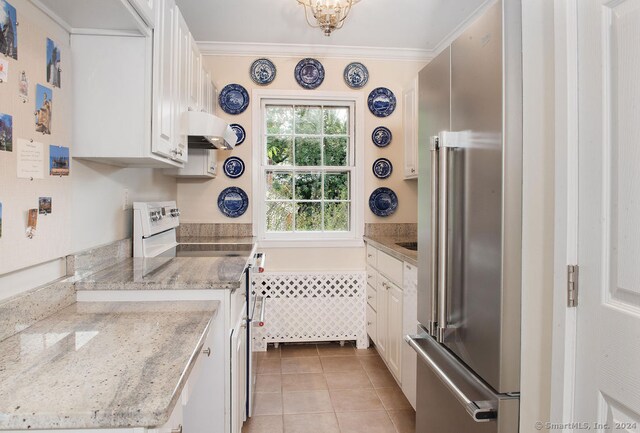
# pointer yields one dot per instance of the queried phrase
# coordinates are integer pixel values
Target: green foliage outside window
(316, 198)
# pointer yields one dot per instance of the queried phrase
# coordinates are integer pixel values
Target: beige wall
(538, 212)
(198, 199)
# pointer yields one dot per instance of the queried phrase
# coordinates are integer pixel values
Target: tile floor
(326, 388)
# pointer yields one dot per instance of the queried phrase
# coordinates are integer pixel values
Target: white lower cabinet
(409, 326)
(238, 372)
(392, 313)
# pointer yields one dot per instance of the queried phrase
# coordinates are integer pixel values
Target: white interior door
(608, 315)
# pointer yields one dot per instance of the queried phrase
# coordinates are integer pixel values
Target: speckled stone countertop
(101, 364)
(388, 244)
(171, 273)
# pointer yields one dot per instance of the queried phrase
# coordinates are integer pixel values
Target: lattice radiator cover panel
(311, 306)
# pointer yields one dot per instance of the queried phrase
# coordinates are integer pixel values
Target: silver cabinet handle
(413, 170)
(480, 411)
(369, 297)
(433, 263)
(369, 255)
(369, 323)
(207, 351)
(177, 430)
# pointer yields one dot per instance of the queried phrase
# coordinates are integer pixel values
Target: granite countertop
(168, 273)
(388, 244)
(101, 364)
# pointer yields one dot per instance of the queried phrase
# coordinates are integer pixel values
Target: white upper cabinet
(410, 127)
(131, 115)
(181, 95)
(163, 82)
(195, 77)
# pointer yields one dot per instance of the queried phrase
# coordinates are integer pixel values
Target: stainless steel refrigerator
(469, 259)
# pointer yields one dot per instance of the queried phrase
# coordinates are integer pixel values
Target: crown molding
(453, 34)
(303, 50)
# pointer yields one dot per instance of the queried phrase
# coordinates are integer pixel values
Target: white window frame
(352, 238)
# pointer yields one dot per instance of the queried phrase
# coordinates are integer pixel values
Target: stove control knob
(175, 212)
(153, 216)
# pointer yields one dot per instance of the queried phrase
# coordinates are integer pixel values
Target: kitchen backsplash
(98, 258)
(214, 229)
(391, 230)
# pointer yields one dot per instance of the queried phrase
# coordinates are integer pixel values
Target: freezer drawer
(451, 399)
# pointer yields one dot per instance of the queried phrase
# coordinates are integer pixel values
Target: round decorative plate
(382, 102)
(262, 71)
(234, 99)
(383, 202)
(233, 167)
(233, 201)
(356, 75)
(381, 136)
(309, 73)
(382, 168)
(239, 130)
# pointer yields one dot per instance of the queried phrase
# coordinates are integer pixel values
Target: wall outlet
(126, 203)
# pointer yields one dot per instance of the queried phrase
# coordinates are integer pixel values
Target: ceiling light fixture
(329, 14)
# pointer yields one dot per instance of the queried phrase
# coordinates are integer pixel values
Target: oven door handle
(263, 304)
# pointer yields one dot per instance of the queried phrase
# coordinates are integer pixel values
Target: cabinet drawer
(390, 267)
(372, 276)
(372, 255)
(371, 323)
(371, 297)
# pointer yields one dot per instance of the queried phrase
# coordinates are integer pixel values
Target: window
(307, 170)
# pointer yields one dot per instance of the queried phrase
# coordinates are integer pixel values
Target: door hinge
(572, 286)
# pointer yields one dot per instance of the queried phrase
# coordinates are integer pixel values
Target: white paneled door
(608, 345)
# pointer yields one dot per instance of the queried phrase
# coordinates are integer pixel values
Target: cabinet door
(410, 324)
(195, 102)
(410, 127)
(182, 56)
(382, 313)
(238, 372)
(394, 330)
(163, 78)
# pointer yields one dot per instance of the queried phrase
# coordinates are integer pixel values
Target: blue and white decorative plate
(383, 202)
(239, 130)
(262, 71)
(356, 75)
(381, 136)
(382, 168)
(309, 73)
(382, 102)
(233, 201)
(233, 167)
(234, 99)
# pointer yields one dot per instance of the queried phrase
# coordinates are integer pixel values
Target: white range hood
(207, 131)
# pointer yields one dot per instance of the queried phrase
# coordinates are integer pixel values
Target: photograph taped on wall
(32, 222)
(44, 205)
(44, 109)
(30, 159)
(53, 63)
(8, 30)
(4, 71)
(23, 87)
(6, 132)
(58, 161)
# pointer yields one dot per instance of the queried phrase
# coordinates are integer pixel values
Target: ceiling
(402, 24)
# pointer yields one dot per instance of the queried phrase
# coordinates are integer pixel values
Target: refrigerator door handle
(480, 411)
(432, 326)
(443, 231)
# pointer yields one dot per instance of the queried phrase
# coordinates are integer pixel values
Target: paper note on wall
(30, 159)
